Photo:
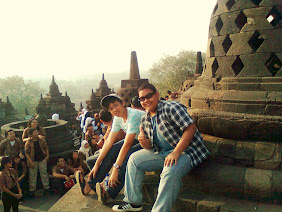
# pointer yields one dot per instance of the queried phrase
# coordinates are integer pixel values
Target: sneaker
(127, 207)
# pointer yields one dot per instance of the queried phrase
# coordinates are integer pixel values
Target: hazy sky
(70, 38)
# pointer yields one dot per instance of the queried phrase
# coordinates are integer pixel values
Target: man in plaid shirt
(171, 142)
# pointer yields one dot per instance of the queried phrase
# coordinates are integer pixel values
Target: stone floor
(39, 203)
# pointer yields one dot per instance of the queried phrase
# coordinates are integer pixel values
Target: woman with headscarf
(84, 150)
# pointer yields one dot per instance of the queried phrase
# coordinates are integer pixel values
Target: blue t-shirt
(131, 126)
(164, 147)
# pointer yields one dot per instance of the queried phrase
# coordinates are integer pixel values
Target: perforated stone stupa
(129, 88)
(93, 104)
(237, 101)
(56, 103)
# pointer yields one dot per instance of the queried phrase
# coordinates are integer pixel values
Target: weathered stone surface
(239, 44)
(210, 204)
(212, 144)
(227, 148)
(258, 183)
(231, 205)
(225, 69)
(229, 26)
(245, 151)
(267, 155)
(277, 185)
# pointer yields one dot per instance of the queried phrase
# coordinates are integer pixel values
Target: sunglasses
(148, 96)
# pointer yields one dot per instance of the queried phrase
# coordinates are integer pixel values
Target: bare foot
(87, 188)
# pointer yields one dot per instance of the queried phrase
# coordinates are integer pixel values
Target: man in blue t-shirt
(114, 154)
(171, 143)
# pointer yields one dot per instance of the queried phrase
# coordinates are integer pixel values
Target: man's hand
(93, 171)
(171, 158)
(144, 142)
(67, 178)
(18, 196)
(114, 178)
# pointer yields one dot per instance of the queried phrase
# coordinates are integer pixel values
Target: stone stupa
(93, 104)
(237, 102)
(129, 88)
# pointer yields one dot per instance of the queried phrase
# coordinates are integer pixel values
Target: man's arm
(181, 146)
(105, 149)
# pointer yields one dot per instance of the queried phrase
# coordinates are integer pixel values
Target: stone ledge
(192, 200)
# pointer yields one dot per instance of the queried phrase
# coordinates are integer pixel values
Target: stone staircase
(188, 200)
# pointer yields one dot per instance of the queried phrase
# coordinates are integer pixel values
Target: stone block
(221, 8)
(210, 204)
(248, 87)
(233, 205)
(224, 67)
(217, 42)
(212, 29)
(256, 19)
(268, 208)
(277, 185)
(272, 41)
(273, 110)
(229, 26)
(268, 131)
(267, 155)
(245, 96)
(271, 86)
(227, 148)
(270, 3)
(205, 125)
(227, 128)
(187, 201)
(254, 65)
(274, 97)
(258, 184)
(211, 143)
(231, 179)
(245, 151)
(242, 5)
(240, 44)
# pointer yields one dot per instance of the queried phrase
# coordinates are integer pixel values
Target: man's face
(11, 135)
(149, 100)
(61, 162)
(117, 109)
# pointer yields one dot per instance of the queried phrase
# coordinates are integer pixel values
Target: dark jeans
(10, 201)
(107, 164)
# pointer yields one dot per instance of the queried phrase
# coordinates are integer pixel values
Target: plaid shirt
(172, 119)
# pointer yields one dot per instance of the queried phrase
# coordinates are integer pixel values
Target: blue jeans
(170, 183)
(107, 164)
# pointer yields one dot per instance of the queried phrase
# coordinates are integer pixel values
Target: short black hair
(111, 98)
(60, 158)
(6, 133)
(135, 102)
(147, 86)
(105, 116)
(31, 130)
(5, 160)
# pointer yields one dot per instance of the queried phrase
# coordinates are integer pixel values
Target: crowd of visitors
(152, 134)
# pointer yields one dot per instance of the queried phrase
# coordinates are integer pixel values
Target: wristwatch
(116, 166)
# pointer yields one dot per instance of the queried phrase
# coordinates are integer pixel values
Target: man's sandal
(103, 195)
(80, 179)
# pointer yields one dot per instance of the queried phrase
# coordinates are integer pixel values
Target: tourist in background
(21, 170)
(37, 155)
(75, 162)
(172, 95)
(63, 176)
(33, 123)
(11, 146)
(10, 186)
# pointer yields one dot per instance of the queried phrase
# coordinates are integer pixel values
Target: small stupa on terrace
(7, 112)
(54, 102)
(93, 104)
